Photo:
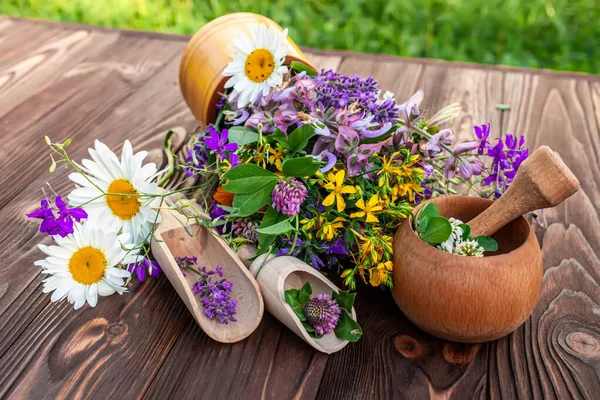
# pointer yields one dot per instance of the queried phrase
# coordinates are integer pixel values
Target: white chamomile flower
(257, 64)
(84, 264)
(127, 207)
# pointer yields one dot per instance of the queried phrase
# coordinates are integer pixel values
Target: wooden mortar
(477, 299)
(206, 56)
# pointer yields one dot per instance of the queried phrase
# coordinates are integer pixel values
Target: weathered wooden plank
(75, 354)
(37, 70)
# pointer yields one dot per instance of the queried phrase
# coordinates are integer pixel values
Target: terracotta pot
(468, 299)
(206, 56)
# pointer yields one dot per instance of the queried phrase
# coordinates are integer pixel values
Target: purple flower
(322, 313)
(507, 157)
(144, 265)
(482, 132)
(186, 262)
(245, 228)
(334, 90)
(234, 160)
(197, 158)
(218, 212)
(216, 295)
(287, 251)
(218, 142)
(316, 262)
(288, 195)
(61, 225)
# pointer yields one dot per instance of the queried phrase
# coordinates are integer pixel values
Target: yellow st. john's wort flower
(380, 274)
(277, 155)
(259, 158)
(407, 189)
(388, 169)
(368, 209)
(329, 229)
(336, 186)
(408, 169)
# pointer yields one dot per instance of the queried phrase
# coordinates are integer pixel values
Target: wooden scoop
(278, 274)
(543, 181)
(171, 240)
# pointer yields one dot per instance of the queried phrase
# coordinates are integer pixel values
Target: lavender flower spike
(322, 313)
(288, 195)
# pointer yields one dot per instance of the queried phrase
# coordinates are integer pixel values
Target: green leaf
(345, 299)
(277, 229)
(281, 137)
(488, 243)
(438, 230)
(270, 218)
(305, 293)
(299, 167)
(299, 311)
(299, 138)
(247, 171)
(291, 297)
(311, 331)
(249, 203)
(242, 136)
(427, 212)
(301, 67)
(347, 328)
(249, 185)
(466, 231)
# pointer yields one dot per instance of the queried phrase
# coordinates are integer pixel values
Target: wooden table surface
(72, 81)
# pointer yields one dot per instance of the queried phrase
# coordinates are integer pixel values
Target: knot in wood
(115, 329)
(457, 353)
(409, 347)
(584, 344)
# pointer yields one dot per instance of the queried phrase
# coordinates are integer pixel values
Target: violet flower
(507, 156)
(144, 265)
(197, 158)
(61, 225)
(245, 228)
(482, 132)
(217, 301)
(288, 195)
(218, 142)
(322, 313)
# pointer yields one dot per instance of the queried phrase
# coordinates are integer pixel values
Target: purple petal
(331, 160)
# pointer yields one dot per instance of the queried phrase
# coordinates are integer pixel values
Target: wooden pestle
(543, 181)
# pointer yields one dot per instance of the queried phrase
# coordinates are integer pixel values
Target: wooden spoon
(171, 240)
(543, 181)
(278, 274)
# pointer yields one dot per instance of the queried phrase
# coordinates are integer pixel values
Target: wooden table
(71, 81)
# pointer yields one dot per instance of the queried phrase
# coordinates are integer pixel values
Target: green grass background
(555, 34)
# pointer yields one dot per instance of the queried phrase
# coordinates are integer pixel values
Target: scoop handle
(543, 181)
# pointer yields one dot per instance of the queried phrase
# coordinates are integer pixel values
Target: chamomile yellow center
(87, 265)
(259, 65)
(122, 205)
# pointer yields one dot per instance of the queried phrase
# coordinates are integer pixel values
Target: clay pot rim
(492, 258)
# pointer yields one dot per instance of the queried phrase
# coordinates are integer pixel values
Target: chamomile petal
(257, 64)
(84, 265)
(111, 190)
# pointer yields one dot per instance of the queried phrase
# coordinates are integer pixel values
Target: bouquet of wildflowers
(324, 167)
(319, 166)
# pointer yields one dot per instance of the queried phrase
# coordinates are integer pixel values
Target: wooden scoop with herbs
(543, 181)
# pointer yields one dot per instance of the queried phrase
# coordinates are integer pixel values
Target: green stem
(170, 163)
